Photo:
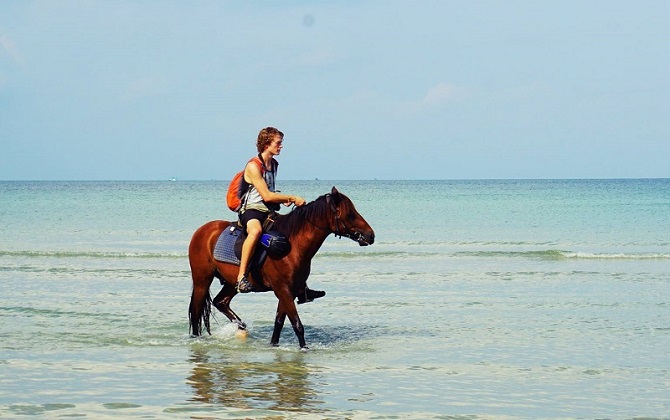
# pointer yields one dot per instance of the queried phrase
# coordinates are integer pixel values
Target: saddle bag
(276, 243)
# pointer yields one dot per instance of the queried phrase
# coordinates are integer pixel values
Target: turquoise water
(479, 299)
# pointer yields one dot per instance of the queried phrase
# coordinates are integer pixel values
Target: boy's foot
(244, 285)
(310, 295)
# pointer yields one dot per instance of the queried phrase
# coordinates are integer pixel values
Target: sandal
(244, 285)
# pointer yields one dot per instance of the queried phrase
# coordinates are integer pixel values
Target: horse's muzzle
(363, 239)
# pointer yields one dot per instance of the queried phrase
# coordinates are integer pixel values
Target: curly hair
(266, 136)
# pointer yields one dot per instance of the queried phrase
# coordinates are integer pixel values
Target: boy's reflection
(280, 384)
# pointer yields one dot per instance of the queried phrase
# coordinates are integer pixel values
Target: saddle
(228, 248)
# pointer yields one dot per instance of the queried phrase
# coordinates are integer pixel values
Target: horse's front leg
(279, 325)
(286, 307)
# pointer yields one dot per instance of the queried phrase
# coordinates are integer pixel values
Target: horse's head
(346, 221)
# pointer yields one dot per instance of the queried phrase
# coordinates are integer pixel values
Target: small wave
(92, 254)
(552, 254)
(367, 254)
(548, 254)
(618, 256)
(55, 313)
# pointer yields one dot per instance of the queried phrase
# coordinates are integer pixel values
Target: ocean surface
(479, 300)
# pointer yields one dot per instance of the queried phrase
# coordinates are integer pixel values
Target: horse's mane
(290, 224)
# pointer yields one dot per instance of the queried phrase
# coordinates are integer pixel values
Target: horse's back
(204, 238)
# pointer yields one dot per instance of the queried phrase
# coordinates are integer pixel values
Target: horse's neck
(309, 241)
(304, 230)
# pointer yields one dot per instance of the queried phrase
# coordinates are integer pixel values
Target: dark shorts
(253, 214)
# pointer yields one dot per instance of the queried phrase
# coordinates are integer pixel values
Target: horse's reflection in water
(284, 383)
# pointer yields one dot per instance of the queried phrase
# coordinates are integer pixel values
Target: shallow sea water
(506, 300)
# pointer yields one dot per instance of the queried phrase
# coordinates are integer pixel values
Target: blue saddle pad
(224, 250)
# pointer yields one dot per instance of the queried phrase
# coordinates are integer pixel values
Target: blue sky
(121, 89)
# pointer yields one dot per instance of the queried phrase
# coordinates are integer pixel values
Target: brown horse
(306, 228)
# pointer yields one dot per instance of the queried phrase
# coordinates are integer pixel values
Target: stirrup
(244, 285)
(310, 295)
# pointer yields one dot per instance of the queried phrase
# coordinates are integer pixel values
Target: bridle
(345, 231)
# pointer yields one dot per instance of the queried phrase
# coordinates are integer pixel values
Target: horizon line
(341, 180)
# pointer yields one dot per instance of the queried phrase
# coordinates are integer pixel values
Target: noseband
(355, 236)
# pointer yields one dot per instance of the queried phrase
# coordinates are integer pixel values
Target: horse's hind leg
(199, 308)
(222, 303)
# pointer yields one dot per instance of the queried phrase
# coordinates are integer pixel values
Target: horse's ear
(335, 195)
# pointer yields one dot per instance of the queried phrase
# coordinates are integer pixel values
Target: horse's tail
(199, 310)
